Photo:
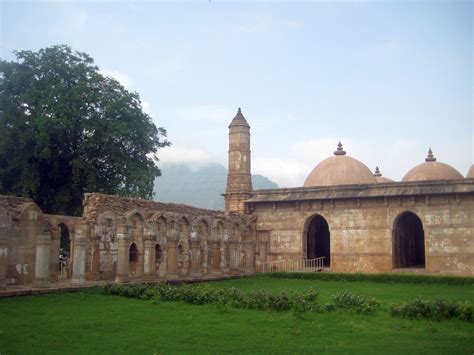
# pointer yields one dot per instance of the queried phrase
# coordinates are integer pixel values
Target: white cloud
(285, 172)
(191, 156)
(147, 108)
(207, 113)
(121, 77)
(314, 150)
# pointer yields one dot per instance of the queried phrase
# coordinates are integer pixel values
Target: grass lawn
(91, 322)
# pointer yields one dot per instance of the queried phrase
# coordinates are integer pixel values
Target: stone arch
(136, 220)
(160, 223)
(184, 227)
(202, 226)
(408, 241)
(158, 253)
(133, 253)
(317, 239)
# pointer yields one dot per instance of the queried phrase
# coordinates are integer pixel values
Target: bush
(203, 294)
(358, 303)
(436, 310)
(379, 278)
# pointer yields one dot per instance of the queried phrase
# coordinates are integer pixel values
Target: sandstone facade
(121, 239)
(363, 222)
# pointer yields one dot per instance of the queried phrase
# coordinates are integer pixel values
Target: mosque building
(356, 220)
(344, 216)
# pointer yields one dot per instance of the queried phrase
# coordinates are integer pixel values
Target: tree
(65, 129)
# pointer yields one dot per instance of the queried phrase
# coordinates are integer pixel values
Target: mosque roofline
(388, 189)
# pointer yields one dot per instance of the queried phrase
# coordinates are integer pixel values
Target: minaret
(239, 178)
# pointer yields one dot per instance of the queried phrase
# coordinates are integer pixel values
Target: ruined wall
(121, 239)
(156, 234)
(21, 223)
(361, 230)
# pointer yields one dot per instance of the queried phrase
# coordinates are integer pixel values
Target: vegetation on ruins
(92, 322)
(66, 129)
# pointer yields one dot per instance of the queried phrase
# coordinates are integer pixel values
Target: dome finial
(339, 150)
(239, 112)
(430, 156)
(377, 172)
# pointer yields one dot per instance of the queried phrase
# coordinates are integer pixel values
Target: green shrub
(358, 303)
(379, 278)
(435, 310)
(203, 294)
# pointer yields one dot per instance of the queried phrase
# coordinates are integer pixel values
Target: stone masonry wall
(361, 231)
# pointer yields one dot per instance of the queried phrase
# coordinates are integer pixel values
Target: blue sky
(388, 78)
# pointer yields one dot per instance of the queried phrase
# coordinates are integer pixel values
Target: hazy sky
(388, 78)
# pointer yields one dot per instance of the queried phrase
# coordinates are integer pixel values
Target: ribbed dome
(432, 170)
(339, 170)
(470, 173)
(378, 176)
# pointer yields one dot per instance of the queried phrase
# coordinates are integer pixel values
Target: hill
(200, 187)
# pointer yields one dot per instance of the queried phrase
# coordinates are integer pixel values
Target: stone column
(164, 260)
(249, 257)
(3, 259)
(149, 266)
(263, 250)
(123, 239)
(195, 269)
(43, 252)
(172, 262)
(234, 257)
(95, 258)
(216, 257)
(241, 257)
(79, 257)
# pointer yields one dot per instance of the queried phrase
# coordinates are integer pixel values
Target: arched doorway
(133, 259)
(408, 241)
(318, 240)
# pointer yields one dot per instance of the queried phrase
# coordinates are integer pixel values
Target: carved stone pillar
(95, 258)
(204, 256)
(79, 257)
(43, 252)
(216, 257)
(195, 269)
(172, 262)
(241, 257)
(3, 258)
(234, 257)
(249, 256)
(224, 257)
(123, 239)
(149, 264)
(263, 250)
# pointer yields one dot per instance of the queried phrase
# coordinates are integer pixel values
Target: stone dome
(378, 176)
(339, 170)
(432, 170)
(470, 173)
